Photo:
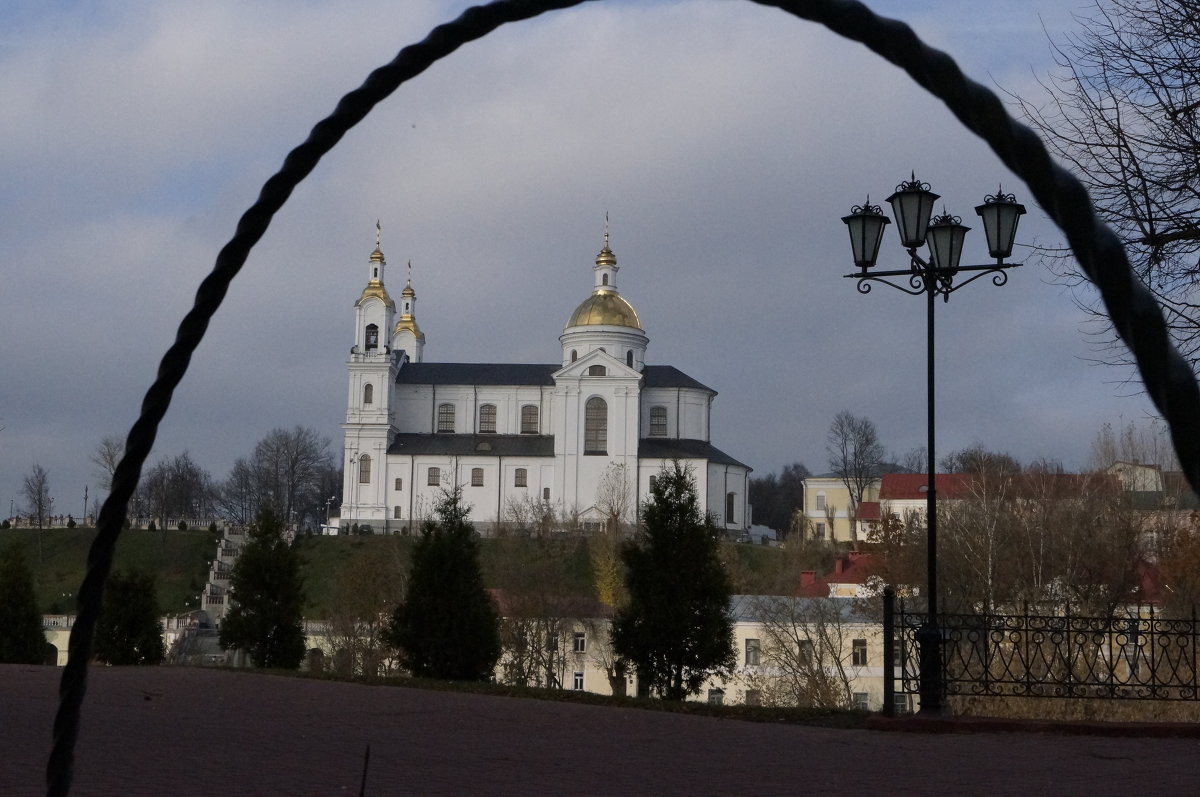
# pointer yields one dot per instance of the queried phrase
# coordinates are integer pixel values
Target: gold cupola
(375, 288)
(605, 307)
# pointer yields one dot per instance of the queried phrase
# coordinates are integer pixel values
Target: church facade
(522, 438)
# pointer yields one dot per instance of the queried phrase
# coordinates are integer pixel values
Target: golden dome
(377, 255)
(409, 324)
(408, 290)
(605, 308)
(375, 289)
(606, 256)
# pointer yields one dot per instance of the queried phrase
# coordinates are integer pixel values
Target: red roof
(850, 568)
(868, 510)
(911, 486)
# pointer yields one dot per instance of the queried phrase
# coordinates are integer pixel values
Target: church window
(445, 417)
(574, 355)
(658, 421)
(529, 419)
(653, 483)
(364, 469)
(487, 418)
(604, 279)
(435, 477)
(476, 477)
(368, 394)
(629, 358)
(730, 499)
(395, 513)
(399, 485)
(595, 426)
(372, 337)
(521, 478)
(545, 493)
(596, 370)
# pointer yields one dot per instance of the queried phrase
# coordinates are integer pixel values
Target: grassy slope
(178, 559)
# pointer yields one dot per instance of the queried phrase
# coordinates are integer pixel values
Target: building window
(629, 358)
(399, 485)
(520, 478)
(368, 394)
(364, 469)
(820, 531)
(529, 419)
(716, 697)
(595, 426)
(545, 493)
(435, 477)
(597, 370)
(487, 418)
(753, 697)
(898, 653)
(658, 421)
(580, 642)
(753, 648)
(730, 498)
(372, 337)
(395, 513)
(805, 651)
(577, 682)
(445, 417)
(861, 701)
(476, 477)
(653, 483)
(574, 355)
(552, 642)
(820, 502)
(603, 279)
(900, 704)
(858, 653)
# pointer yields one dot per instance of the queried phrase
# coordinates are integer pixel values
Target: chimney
(838, 564)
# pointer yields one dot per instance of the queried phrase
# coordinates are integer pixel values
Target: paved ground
(174, 731)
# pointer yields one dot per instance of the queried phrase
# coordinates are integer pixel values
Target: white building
(516, 434)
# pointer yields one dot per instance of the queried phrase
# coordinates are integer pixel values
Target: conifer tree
(446, 626)
(21, 637)
(265, 617)
(675, 628)
(127, 630)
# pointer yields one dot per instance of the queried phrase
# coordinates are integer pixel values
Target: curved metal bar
(999, 277)
(864, 285)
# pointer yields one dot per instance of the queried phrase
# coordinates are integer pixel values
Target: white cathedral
(521, 434)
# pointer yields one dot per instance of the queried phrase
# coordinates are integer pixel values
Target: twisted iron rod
(1135, 314)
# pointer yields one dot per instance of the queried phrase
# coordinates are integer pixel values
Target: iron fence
(1132, 655)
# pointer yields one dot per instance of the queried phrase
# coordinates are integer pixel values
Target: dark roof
(524, 374)
(496, 445)
(668, 448)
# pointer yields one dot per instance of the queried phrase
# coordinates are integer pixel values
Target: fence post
(889, 652)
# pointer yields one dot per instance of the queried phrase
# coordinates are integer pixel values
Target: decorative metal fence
(1136, 655)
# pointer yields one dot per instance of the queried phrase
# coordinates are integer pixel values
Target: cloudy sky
(725, 140)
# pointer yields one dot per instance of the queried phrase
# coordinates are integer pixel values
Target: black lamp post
(912, 206)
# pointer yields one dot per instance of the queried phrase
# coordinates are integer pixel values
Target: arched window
(730, 500)
(604, 279)
(487, 418)
(520, 478)
(435, 477)
(597, 370)
(372, 337)
(595, 426)
(364, 469)
(658, 421)
(574, 355)
(368, 393)
(476, 477)
(529, 419)
(629, 358)
(445, 417)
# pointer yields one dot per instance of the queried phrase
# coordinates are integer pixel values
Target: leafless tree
(107, 455)
(290, 470)
(807, 652)
(614, 496)
(1123, 108)
(365, 592)
(177, 487)
(36, 490)
(855, 454)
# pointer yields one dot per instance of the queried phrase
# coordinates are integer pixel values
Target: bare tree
(107, 455)
(177, 488)
(36, 490)
(290, 470)
(614, 496)
(365, 592)
(1123, 108)
(855, 454)
(807, 652)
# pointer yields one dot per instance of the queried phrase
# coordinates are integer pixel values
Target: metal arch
(1135, 314)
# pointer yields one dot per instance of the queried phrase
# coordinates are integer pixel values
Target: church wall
(722, 480)
(687, 411)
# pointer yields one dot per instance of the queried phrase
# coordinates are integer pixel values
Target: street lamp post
(912, 205)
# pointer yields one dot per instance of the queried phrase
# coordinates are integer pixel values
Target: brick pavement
(176, 731)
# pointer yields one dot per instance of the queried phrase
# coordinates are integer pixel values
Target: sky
(724, 140)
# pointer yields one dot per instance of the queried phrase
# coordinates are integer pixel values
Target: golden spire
(377, 255)
(408, 288)
(606, 256)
